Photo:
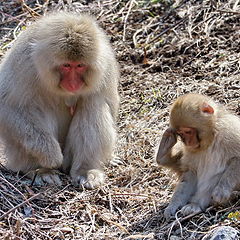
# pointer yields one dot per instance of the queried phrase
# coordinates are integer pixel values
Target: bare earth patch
(165, 49)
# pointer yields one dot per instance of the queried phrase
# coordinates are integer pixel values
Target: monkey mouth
(192, 143)
(72, 86)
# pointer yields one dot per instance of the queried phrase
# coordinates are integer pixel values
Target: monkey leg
(182, 194)
(28, 144)
(202, 197)
(19, 160)
(89, 143)
(229, 181)
(30, 166)
(222, 192)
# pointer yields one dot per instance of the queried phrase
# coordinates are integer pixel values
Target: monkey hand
(169, 139)
(51, 156)
(45, 176)
(191, 208)
(170, 211)
(221, 193)
(91, 179)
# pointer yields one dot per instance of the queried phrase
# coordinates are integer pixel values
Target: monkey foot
(169, 212)
(191, 208)
(221, 194)
(46, 177)
(94, 179)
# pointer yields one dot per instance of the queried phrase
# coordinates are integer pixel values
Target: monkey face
(72, 76)
(189, 136)
(68, 54)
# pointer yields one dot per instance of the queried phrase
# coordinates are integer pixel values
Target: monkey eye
(66, 65)
(80, 65)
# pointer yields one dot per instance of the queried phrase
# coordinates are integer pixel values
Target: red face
(72, 76)
(189, 136)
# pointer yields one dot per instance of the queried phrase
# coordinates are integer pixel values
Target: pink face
(72, 76)
(189, 136)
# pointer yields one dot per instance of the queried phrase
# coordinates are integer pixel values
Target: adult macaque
(59, 100)
(203, 146)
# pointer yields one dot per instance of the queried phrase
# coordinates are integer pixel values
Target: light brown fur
(210, 172)
(35, 121)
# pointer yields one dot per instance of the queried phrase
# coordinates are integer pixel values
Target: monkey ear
(206, 108)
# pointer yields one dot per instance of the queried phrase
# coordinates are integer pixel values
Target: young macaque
(202, 145)
(59, 100)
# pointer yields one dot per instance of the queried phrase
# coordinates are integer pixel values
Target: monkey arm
(110, 91)
(20, 126)
(113, 103)
(170, 150)
(183, 192)
(229, 181)
(90, 140)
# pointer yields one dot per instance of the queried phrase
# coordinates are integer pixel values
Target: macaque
(59, 100)
(202, 145)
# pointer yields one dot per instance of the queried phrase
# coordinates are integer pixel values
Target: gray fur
(35, 123)
(209, 175)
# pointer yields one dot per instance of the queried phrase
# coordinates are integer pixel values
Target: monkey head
(193, 118)
(67, 54)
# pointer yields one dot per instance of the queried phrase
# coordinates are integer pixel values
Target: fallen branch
(19, 205)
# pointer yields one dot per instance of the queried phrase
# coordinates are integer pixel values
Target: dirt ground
(165, 49)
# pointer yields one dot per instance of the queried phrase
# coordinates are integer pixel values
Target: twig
(126, 18)
(182, 219)
(19, 205)
(19, 16)
(168, 29)
(230, 12)
(115, 223)
(30, 10)
(176, 221)
(3, 179)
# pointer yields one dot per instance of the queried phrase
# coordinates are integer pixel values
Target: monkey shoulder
(227, 130)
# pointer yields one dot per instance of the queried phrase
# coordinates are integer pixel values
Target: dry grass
(165, 49)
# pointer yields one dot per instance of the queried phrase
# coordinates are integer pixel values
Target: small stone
(222, 233)
(175, 238)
